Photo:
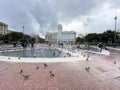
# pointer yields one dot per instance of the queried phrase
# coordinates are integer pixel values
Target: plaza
(70, 74)
(59, 45)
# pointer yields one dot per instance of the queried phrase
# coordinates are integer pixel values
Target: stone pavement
(102, 75)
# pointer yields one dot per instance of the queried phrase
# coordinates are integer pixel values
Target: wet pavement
(103, 74)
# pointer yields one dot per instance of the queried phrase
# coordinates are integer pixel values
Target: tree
(15, 37)
(41, 40)
(108, 36)
(92, 38)
(80, 40)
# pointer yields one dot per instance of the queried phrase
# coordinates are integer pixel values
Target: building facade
(3, 28)
(67, 37)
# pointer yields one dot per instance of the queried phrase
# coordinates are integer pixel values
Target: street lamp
(23, 33)
(115, 28)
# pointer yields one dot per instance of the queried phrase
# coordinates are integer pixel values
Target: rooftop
(1, 23)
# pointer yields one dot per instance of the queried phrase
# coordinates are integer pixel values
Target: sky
(41, 16)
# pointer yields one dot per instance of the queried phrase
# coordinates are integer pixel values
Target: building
(60, 36)
(3, 28)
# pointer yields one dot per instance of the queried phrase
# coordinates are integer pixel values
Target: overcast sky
(40, 16)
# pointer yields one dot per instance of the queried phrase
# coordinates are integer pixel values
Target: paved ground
(102, 74)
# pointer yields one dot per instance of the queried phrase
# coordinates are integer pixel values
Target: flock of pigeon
(26, 77)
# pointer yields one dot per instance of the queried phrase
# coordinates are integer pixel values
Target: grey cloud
(114, 3)
(46, 13)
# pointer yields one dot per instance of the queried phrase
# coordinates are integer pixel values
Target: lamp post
(23, 32)
(115, 28)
